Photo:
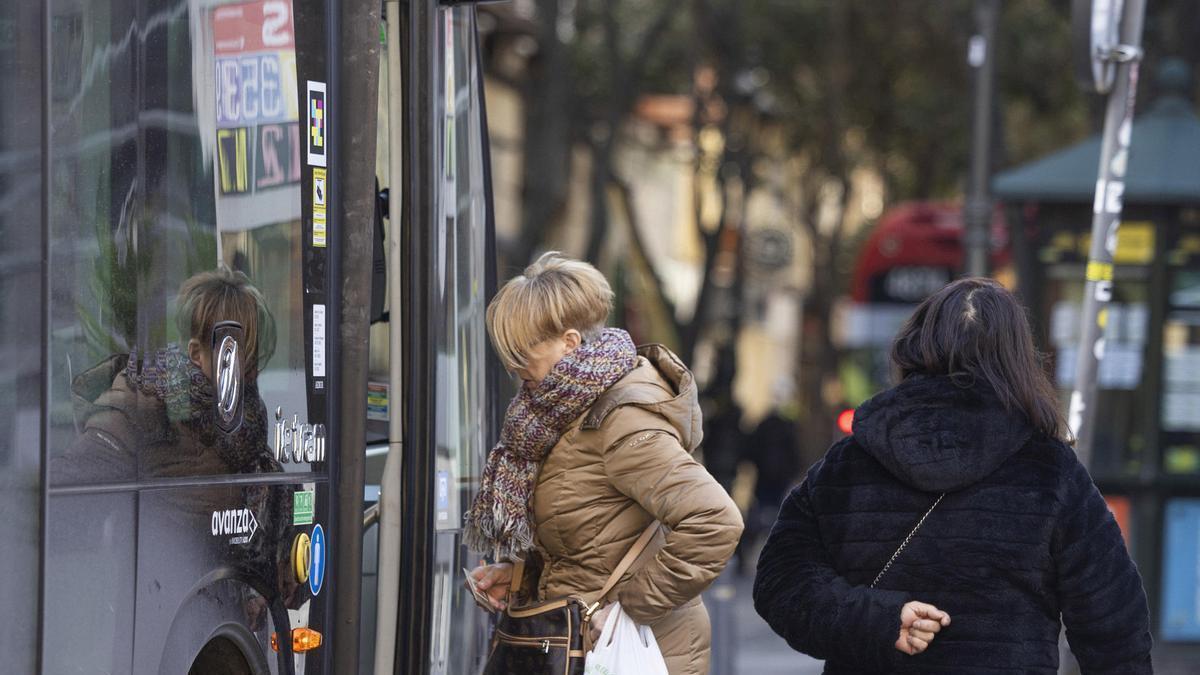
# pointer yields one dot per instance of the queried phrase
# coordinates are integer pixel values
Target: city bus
(195, 252)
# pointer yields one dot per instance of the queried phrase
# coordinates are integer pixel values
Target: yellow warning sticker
(319, 194)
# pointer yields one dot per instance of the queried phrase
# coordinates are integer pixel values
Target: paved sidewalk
(760, 650)
(757, 650)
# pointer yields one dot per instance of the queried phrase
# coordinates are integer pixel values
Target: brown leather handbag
(551, 637)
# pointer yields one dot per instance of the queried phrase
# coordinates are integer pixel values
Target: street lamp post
(978, 212)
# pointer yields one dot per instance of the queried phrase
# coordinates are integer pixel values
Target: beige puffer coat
(621, 465)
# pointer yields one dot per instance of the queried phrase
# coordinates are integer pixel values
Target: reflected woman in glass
(158, 410)
(595, 447)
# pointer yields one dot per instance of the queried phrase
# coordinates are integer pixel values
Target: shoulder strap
(514, 586)
(906, 540)
(593, 602)
(623, 566)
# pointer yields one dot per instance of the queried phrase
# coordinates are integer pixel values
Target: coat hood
(937, 435)
(661, 384)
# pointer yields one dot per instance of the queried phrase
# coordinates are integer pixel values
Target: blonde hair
(554, 295)
(225, 295)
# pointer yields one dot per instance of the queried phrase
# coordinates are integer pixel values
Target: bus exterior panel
(191, 351)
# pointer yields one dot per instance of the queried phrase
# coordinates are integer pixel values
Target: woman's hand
(597, 622)
(493, 581)
(919, 624)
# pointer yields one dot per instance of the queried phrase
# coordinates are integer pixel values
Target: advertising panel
(258, 150)
(1181, 571)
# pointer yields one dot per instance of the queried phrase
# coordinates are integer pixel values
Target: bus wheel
(220, 657)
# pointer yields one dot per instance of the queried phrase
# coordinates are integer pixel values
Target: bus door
(434, 162)
(448, 231)
(190, 313)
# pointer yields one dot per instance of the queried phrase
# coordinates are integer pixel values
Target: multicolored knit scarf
(188, 397)
(501, 519)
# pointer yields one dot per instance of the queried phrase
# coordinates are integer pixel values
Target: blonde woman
(595, 446)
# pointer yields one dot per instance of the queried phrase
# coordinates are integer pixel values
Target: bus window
(460, 338)
(178, 159)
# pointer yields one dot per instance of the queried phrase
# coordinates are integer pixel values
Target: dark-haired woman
(1007, 536)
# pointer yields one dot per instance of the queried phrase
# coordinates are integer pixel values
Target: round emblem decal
(229, 382)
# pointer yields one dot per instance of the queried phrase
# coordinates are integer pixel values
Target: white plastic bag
(624, 648)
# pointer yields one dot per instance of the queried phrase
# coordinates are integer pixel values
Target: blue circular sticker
(316, 575)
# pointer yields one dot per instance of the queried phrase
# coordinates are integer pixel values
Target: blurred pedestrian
(773, 449)
(724, 440)
(595, 447)
(956, 489)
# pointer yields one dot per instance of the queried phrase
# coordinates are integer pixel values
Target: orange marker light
(303, 640)
(845, 421)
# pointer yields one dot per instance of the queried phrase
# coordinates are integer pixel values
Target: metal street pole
(1106, 218)
(978, 212)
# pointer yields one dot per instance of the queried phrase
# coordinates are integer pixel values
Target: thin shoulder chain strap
(906, 540)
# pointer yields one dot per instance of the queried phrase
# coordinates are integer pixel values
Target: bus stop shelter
(1147, 455)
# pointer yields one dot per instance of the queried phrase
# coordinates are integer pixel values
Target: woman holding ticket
(596, 446)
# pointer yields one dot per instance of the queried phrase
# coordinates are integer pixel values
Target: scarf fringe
(500, 518)
(511, 545)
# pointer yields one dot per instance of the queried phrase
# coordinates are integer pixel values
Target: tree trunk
(641, 258)
(547, 146)
(601, 158)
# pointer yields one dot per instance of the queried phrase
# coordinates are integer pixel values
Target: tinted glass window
(176, 300)
(461, 430)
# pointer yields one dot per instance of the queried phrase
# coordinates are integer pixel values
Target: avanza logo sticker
(240, 523)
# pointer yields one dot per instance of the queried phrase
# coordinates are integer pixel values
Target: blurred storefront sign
(1135, 245)
(1125, 343)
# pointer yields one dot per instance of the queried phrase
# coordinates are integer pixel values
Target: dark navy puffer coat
(1021, 539)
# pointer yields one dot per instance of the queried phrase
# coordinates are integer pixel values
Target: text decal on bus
(240, 523)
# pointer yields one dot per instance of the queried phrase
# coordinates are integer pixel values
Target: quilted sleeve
(1100, 592)
(804, 600)
(703, 524)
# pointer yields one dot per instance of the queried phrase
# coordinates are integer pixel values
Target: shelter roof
(1164, 157)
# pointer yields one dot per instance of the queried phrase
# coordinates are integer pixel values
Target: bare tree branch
(628, 78)
(639, 247)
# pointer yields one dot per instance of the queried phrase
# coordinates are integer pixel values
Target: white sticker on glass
(318, 341)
